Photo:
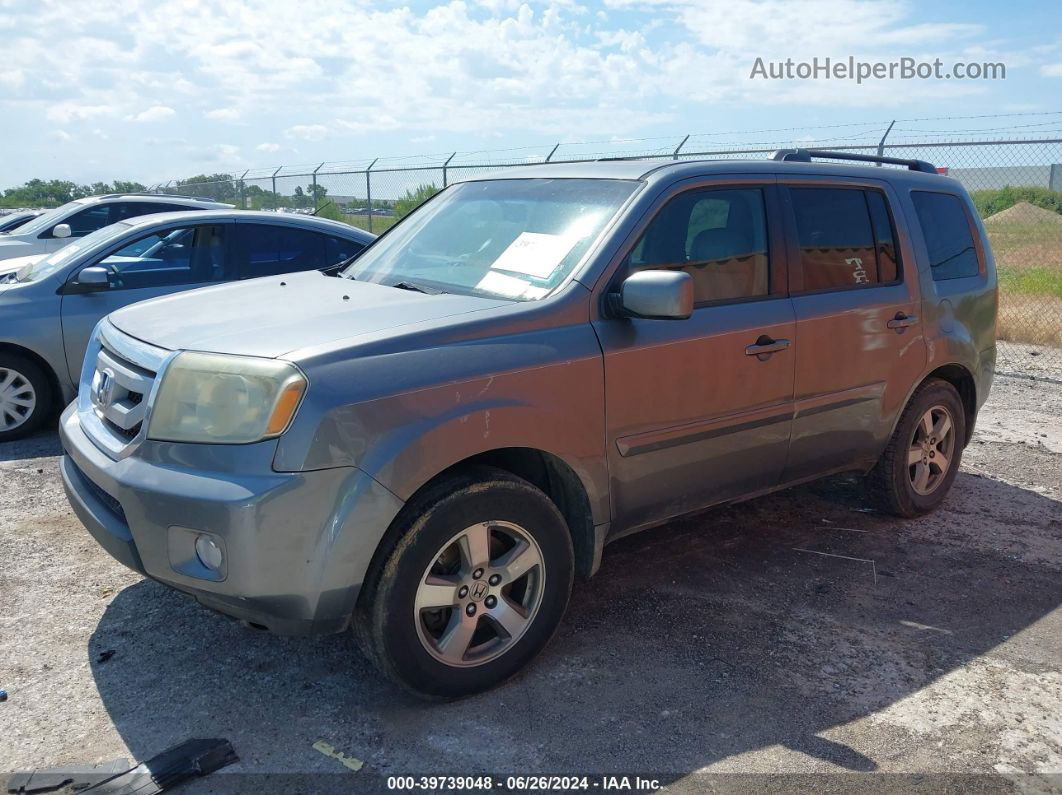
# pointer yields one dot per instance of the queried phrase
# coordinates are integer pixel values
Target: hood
(9, 267)
(17, 263)
(262, 318)
(12, 247)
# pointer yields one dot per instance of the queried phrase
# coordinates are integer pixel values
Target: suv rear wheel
(915, 473)
(25, 396)
(474, 587)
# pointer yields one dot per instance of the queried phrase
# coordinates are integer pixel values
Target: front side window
(89, 220)
(845, 238)
(946, 228)
(187, 255)
(508, 238)
(717, 236)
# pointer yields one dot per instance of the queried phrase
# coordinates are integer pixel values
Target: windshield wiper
(417, 288)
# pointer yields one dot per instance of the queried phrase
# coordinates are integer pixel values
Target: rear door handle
(765, 345)
(902, 321)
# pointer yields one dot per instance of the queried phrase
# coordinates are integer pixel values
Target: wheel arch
(960, 377)
(41, 362)
(548, 472)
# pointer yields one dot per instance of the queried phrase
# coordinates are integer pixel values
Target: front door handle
(902, 321)
(765, 346)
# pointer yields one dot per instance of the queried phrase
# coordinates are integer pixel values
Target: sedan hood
(279, 314)
(9, 267)
(17, 263)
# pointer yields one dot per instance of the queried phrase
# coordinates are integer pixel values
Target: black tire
(26, 372)
(892, 481)
(388, 627)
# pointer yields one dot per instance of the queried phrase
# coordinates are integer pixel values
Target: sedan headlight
(221, 399)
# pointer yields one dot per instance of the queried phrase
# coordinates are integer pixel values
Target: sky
(151, 91)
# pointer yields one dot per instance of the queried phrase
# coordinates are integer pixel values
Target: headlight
(211, 397)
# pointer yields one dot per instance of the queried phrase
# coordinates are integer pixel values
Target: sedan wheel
(18, 399)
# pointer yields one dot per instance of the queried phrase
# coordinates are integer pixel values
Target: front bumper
(297, 545)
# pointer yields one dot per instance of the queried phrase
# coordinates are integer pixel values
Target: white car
(56, 228)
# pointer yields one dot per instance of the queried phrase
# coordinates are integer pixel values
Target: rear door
(697, 410)
(176, 258)
(860, 346)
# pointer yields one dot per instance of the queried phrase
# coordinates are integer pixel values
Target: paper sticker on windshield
(509, 286)
(535, 254)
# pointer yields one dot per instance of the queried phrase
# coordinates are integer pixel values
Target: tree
(413, 199)
(50, 193)
(219, 187)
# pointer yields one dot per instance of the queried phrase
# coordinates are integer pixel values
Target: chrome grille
(116, 386)
(117, 392)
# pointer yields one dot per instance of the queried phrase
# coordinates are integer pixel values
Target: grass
(1030, 318)
(1029, 263)
(380, 223)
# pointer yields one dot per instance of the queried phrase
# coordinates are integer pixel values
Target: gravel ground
(719, 644)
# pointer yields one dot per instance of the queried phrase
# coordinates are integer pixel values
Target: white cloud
(154, 113)
(60, 135)
(64, 112)
(336, 74)
(308, 132)
(223, 114)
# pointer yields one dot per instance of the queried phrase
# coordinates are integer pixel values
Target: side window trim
(792, 236)
(775, 237)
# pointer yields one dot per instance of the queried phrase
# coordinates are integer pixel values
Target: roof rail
(806, 155)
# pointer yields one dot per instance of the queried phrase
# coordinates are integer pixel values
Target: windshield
(511, 238)
(43, 268)
(48, 219)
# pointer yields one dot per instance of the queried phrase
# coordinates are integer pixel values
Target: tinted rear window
(946, 228)
(837, 248)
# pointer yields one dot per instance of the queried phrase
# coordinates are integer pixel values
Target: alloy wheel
(480, 594)
(932, 447)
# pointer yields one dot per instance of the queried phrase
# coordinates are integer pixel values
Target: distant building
(1043, 176)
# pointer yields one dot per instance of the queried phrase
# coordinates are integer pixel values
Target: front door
(860, 341)
(162, 262)
(698, 411)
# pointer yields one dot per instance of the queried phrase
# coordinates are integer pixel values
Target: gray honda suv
(430, 447)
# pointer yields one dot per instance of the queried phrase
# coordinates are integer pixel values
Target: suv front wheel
(474, 587)
(915, 473)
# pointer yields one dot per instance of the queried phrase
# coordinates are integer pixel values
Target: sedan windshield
(511, 238)
(45, 267)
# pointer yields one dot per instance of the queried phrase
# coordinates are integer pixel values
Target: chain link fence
(1016, 185)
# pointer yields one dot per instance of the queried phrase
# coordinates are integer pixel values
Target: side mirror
(92, 279)
(61, 230)
(660, 295)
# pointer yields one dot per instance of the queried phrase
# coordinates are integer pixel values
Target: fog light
(209, 552)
